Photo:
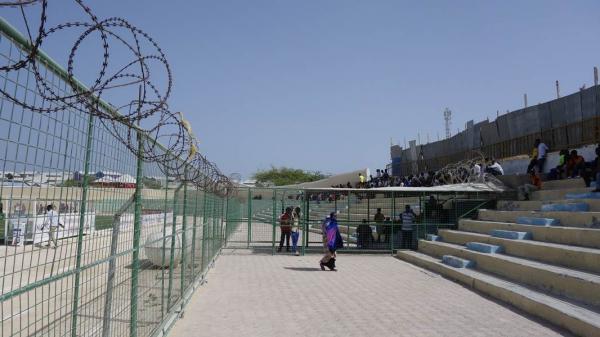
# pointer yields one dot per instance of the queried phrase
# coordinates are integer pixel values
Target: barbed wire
(144, 78)
(463, 172)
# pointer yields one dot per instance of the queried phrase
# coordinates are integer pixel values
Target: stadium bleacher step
(563, 184)
(581, 258)
(457, 262)
(576, 285)
(547, 194)
(586, 195)
(566, 207)
(571, 219)
(536, 221)
(512, 235)
(536, 205)
(576, 319)
(484, 247)
(582, 237)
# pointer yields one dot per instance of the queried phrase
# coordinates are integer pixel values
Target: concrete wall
(518, 165)
(540, 118)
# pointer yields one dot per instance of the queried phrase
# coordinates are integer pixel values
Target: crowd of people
(571, 165)
(476, 171)
(367, 236)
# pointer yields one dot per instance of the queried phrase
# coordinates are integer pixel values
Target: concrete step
(536, 205)
(545, 194)
(512, 235)
(528, 220)
(566, 207)
(569, 219)
(585, 259)
(576, 319)
(457, 262)
(563, 184)
(573, 284)
(483, 247)
(582, 237)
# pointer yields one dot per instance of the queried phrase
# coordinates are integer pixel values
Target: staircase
(541, 255)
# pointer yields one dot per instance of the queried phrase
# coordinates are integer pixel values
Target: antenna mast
(448, 120)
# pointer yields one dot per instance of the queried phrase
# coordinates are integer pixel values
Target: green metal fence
(128, 253)
(258, 226)
(132, 242)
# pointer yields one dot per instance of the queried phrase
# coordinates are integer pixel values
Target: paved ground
(371, 295)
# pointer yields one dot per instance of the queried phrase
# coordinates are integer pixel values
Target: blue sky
(325, 85)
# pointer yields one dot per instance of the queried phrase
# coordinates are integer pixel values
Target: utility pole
(595, 75)
(557, 90)
(525, 99)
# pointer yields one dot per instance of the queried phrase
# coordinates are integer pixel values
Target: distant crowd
(428, 179)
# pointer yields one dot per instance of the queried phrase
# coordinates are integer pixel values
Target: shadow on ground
(302, 268)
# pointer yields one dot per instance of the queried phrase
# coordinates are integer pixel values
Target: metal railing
(127, 244)
(258, 224)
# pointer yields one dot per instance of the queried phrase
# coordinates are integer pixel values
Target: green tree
(286, 176)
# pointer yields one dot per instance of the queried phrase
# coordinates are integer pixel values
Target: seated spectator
(476, 169)
(533, 157)
(561, 168)
(494, 168)
(385, 176)
(524, 191)
(575, 165)
(592, 171)
(348, 185)
(364, 235)
(596, 170)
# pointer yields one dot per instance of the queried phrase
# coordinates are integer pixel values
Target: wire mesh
(95, 239)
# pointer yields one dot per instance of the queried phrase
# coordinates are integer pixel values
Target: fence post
(204, 207)
(137, 222)
(306, 221)
(194, 225)
(227, 219)
(392, 222)
(112, 265)
(184, 229)
(173, 239)
(82, 209)
(164, 243)
(348, 219)
(249, 227)
(369, 210)
(212, 228)
(274, 220)
(222, 230)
